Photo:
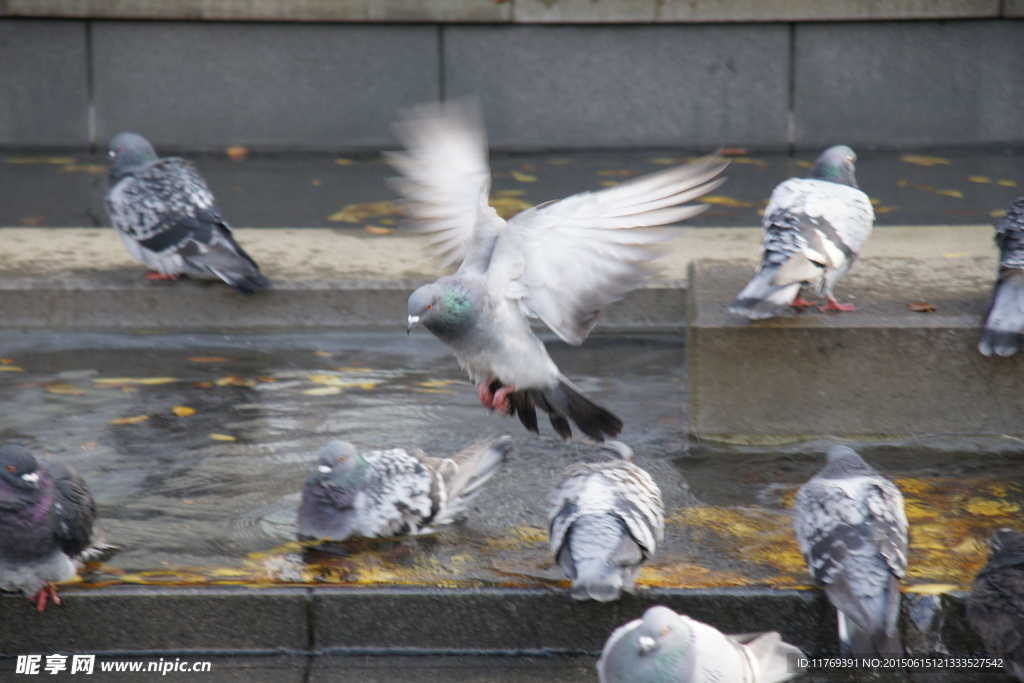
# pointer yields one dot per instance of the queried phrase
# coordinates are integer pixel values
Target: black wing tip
(248, 284)
(999, 343)
(757, 309)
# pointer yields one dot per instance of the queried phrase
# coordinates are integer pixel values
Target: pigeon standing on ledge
(814, 229)
(168, 219)
(47, 517)
(665, 647)
(393, 492)
(606, 518)
(852, 530)
(1005, 320)
(562, 262)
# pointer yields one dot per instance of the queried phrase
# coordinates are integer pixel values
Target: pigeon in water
(995, 607)
(1005, 321)
(562, 262)
(47, 516)
(168, 219)
(665, 647)
(852, 530)
(605, 518)
(814, 229)
(393, 492)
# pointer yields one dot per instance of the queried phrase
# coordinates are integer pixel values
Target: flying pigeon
(168, 219)
(605, 518)
(393, 492)
(814, 229)
(47, 515)
(995, 607)
(852, 530)
(665, 647)
(562, 262)
(1005, 321)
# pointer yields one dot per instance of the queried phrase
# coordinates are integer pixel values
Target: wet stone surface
(196, 448)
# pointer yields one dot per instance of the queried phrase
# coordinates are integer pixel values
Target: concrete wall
(193, 85)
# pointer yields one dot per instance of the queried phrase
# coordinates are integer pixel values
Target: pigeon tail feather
(471, 471)
(597, 580)
(762, 299)
(562, 403)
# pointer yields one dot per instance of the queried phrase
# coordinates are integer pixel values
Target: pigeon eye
(341, 458)
(429, 306)
(665, 631)
(11, 468)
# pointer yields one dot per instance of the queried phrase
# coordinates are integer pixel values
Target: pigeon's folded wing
(565, 261)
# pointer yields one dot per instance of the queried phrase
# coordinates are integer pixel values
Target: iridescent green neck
(455, 312)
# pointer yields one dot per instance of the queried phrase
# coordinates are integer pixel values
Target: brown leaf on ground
(922, 307)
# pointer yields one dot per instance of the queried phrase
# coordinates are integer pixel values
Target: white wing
(564, 261)
(445, 180)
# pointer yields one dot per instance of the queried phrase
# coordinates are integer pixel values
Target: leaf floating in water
(931, 588)
(120, 381)
(236, 152)
(209, 359)
(951, 193)
(922, 307)
(508, 205)
(65, 390)
(11, 368)
(435, 391)
(436, 383)
(354, 368)
(235, 381)
(1006, 183)
(998, 213)
(323, 391)
(323, 354)
(183, 411)
(341, 161)
(134, 420)
(41, 160)
(524, 177)
(222, 437)
(925, 160)
(979, 179)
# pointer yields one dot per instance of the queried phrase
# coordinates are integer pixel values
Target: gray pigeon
(47, 516)
(852, 530)
(168, 219)
(562, 262)
(665, 647)
(995, 607)
(393, 492)
(814, 228)
(1005, 320)
(605, 519)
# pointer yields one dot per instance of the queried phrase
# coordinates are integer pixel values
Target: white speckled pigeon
(562, 262)
(1005, 320)
(47, 519)
(814, 228)
(393, 492)
(605, 519)
(168, 219)
(852, 530)
(665, 647)
(995, 607)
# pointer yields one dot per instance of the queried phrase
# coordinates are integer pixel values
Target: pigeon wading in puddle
(814, 229)
(561, 262)
(393, 492)
(47, 522)
(167, 218)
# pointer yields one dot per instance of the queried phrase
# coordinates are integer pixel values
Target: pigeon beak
(324, 469)
(646, 644)
(31, 478)
(414, 320)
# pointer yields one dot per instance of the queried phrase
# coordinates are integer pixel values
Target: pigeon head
(611, 450)
(127, 150)
(1006, 540)
(843, 461)
(836, 165)
(448, 308)
(19, 468)
(340, 464)
(660, 630)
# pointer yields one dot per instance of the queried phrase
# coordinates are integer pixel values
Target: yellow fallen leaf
(134, 420)
(609, 183)
(65, 389)
(1006, 183)
(236, 152)
(722, 200)
(322, 353)
(183, 411)
(931, 588)
(979, 179)
(508, 206)
(354, 368)
(435, 391)
(6, 361)
(951, 193)
(998, 213)
(268, 380)
(94, 169)
(436, 383)
(990, 508)
(748, 160)
(235, 381)
(341, 161)
(377, 230)
(115, 381)
(357, 213)
(209, 359)
(886, 209)
(524, 177)
(511, 193)
(322, 391)
(11, 368)
(925, 160)
(41, 160)
(222, 437)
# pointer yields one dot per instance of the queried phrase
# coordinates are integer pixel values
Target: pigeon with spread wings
(562, 262)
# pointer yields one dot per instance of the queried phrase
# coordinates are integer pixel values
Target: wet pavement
(196, 447)
(909, 187)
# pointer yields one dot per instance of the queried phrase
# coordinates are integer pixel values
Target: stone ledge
(514, 11)
(882, 371)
